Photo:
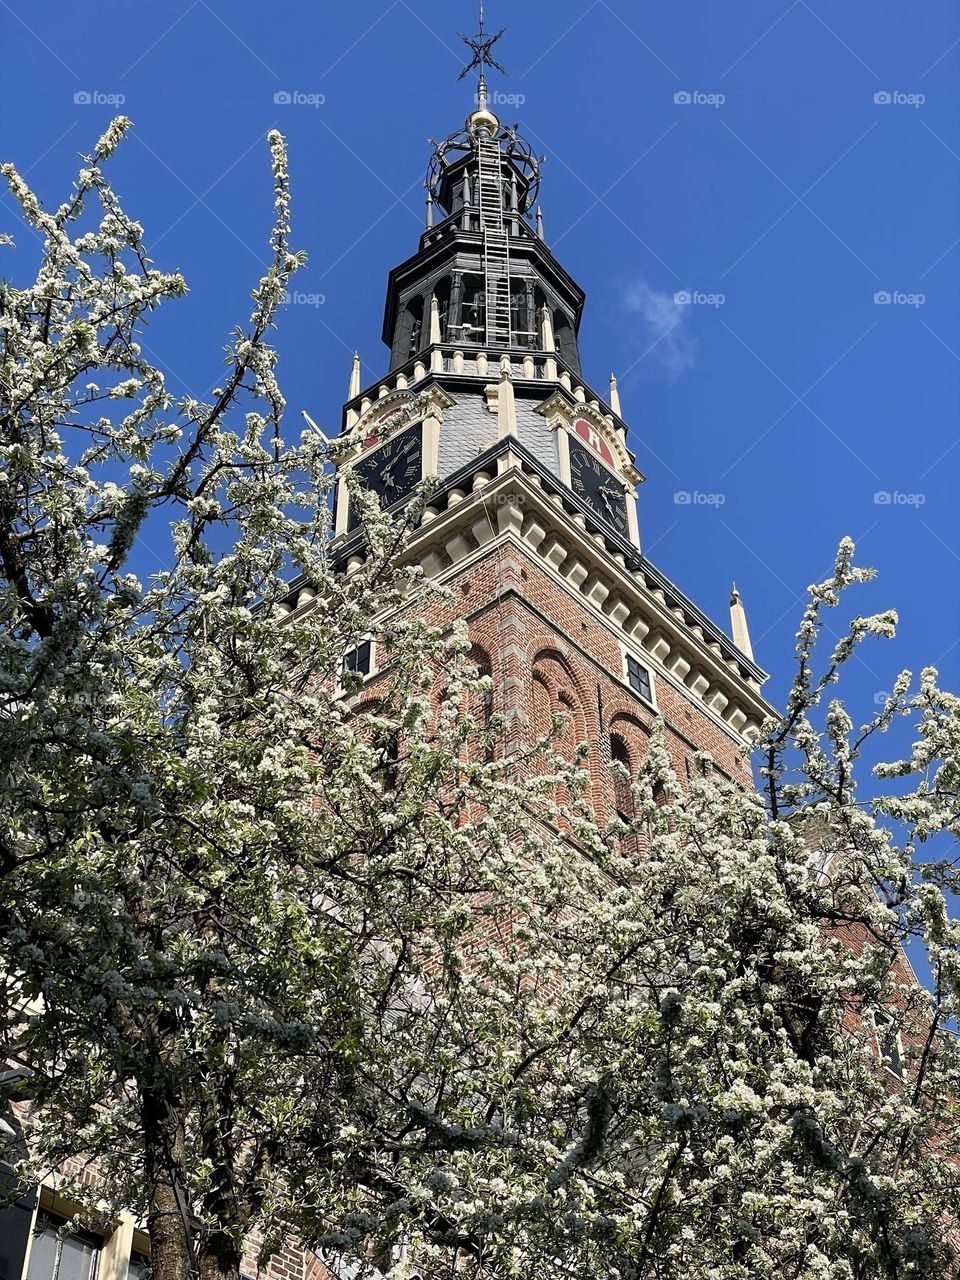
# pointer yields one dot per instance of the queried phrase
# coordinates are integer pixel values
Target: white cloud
(663, 329)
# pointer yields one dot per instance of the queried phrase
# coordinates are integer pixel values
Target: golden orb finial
(483, 121)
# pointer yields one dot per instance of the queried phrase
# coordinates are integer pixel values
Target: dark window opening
(442, 295)
(523, 328)
(566, 341)
(387, 770)
(359, 661)
(408, 335)
(415, 310)
(623, 790)
(638, 678)
(473, 316)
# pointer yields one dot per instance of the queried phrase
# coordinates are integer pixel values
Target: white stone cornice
(622, 601)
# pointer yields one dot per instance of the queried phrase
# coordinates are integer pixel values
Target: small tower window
(442, 295)
(409, 331)
(414, 326)
(359, 661)
(566, 341)
(638, 677)
(521, 325)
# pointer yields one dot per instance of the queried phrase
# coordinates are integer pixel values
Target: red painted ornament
(374, 437)
(591, 436)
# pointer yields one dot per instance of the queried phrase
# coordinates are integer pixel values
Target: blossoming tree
(276, 963)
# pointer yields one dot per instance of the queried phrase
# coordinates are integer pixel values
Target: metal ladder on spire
(496, 245)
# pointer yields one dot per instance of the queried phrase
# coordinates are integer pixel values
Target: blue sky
(780, 163)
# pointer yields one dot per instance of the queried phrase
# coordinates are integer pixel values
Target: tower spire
(738, 624)
(354, 390)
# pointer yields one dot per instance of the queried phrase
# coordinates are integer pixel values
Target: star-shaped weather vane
(481, 44)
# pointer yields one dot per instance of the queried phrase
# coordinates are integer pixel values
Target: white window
(74, 1257)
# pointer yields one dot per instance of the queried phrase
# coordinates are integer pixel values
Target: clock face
(598, 487)
(393, 470)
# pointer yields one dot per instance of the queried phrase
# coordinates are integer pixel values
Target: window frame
(649, 699)
(342, 670)
(137, 1259)
(45, 1220)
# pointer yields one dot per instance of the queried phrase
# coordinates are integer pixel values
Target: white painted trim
(343, 506)
(633, 519)
(563, 448)
(431, 445)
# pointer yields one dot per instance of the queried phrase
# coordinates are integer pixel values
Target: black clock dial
(598, 487)
(392, 471)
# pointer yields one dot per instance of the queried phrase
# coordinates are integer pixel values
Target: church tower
(534, 519)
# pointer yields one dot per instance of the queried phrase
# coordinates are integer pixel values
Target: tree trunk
(220, 1258)
(168, 1222)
